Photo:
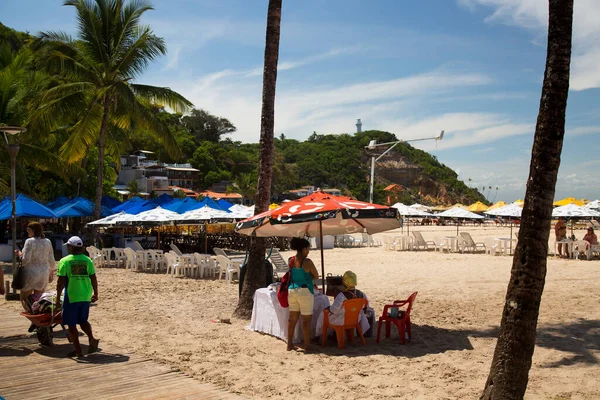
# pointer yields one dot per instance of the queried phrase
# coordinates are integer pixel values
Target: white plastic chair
(581, 247)
(228, 268)
(490, 246)
(130, 259)
(175, 249)
(173, 264)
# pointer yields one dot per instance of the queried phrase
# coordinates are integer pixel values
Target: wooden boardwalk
(29, 371)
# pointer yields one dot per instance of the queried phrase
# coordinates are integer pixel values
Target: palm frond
(83, 134)
(163, 96)
(140, 52)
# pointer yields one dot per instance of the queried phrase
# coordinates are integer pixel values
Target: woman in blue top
(301, 291)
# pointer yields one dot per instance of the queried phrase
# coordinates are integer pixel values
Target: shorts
(301, 299)
(75, 313)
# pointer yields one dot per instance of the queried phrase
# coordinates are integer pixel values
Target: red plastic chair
(401, 318)
(351, 313)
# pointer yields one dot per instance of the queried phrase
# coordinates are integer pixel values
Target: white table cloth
(269, 317)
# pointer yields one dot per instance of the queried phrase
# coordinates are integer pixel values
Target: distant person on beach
(560, 231)
(301, 291)
(591, 238)
(2, 292)
(76, 274)
(38, 263)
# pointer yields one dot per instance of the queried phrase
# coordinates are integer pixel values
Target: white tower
(358, 126)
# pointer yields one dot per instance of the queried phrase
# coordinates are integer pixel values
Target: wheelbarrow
(44, 324)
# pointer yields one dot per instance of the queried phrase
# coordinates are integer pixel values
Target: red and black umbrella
(321, 214)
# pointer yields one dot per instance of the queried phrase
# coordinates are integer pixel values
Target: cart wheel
(44, 336)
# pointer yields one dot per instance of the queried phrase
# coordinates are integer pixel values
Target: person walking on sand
(38, 263)
(76, 274)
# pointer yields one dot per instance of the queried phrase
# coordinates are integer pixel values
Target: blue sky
(471, 67)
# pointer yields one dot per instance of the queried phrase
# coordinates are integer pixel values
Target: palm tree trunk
(100, 172)
(255, 273)
(509, 371)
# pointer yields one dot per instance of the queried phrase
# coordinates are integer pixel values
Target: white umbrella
(420, 207)
(511, 210)
(409, 211)
(458, 212)
(157, 216)
(573, 210)
(593, 204)
(204, 213)
(241, 211)
(111, 219)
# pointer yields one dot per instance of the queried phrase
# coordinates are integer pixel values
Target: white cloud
(533, 15)
(582, 130)
(325, 109)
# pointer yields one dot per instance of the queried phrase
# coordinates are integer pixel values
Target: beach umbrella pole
(322, 256)
(510, 241)
(205, 237)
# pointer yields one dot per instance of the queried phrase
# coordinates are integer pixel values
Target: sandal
(93, 346)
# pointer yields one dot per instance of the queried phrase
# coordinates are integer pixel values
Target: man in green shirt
(77, 275)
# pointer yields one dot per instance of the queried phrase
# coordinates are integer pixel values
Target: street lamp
(373, 144)
(13, 150)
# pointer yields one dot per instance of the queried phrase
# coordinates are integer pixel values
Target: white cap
(75, 241)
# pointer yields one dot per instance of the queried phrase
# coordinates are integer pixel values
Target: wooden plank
(111, 373)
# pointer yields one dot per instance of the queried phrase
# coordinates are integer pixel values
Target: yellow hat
(349, 280)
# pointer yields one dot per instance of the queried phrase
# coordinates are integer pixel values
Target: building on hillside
(152, 175)
(392, 193)
(234, 198)
(170, 190)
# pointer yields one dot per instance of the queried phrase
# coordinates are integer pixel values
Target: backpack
(282, 292)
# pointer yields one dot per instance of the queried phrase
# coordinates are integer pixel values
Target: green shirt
(77, 268)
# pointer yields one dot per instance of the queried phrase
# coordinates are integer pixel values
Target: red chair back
(410, 302)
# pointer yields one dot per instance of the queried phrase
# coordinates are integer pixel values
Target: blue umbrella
(25, 207)
(128, 204)
(110, 202)
(59, 201)
(182, 205)
(141, 207)
(79, 207)
(224, 204)
(163, 199)
(207, 201)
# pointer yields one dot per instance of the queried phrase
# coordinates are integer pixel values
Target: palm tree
(133, 187)
(19, 84)
(255, 273)
(509, 371)
(97, 92)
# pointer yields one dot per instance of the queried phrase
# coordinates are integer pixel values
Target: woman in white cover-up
(38, 262)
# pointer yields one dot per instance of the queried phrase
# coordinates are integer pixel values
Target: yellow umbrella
(568, 200)
(459, 205)
(520, 202)
(497, 205)
(477, 207)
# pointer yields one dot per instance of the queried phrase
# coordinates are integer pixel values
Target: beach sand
(455, 322)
